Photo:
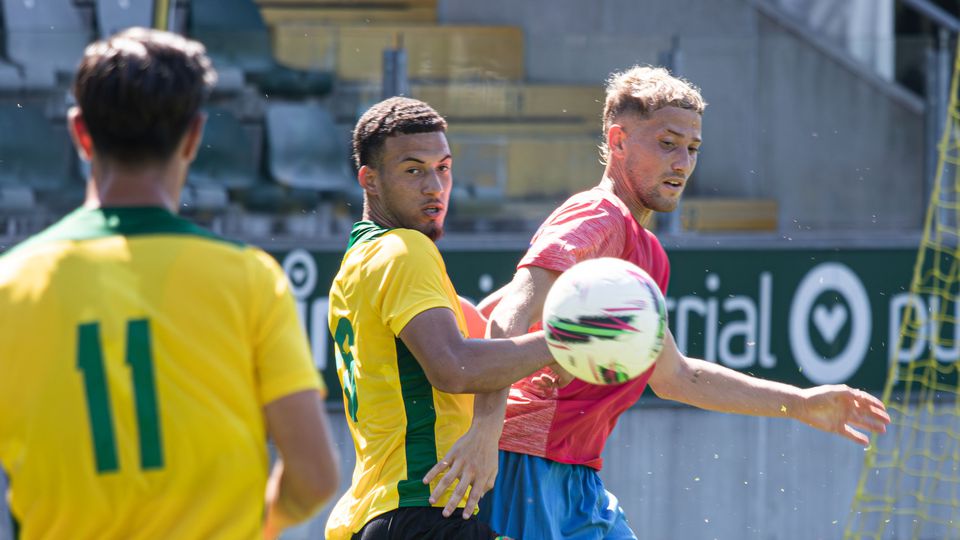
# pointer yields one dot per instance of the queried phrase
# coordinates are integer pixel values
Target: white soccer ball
(605, 320)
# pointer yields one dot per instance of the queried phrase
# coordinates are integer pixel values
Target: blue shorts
(535, 498)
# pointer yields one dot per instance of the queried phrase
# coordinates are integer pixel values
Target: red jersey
(571, 424)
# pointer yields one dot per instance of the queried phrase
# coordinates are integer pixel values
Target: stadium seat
(225, 161)
(305, 150)
(481, 171)
(44, 38)
(226, 156)
(10, 76)
(115, 15)
(434, 52)
(334, 12)
(238, 42)
(709, 214)
(33, 154)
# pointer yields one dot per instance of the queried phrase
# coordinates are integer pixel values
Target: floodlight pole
(163, 14)
(395, 81)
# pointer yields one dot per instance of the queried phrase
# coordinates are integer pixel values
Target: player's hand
(551, 378)
(840, 409)
(472, 462)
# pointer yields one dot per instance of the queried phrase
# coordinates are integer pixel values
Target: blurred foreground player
(143, 360)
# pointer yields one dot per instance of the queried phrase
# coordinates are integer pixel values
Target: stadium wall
(681, 473)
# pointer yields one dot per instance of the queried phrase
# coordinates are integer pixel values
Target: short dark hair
(393, 116)
(138, 91)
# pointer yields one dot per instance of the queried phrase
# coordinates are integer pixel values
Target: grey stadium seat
(45, 37)
(305, 149)
(34, 156)
(228, 168)
(239, 44)
(226, 156)
(115, 15)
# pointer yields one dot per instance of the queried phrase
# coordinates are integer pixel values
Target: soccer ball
(605, 320)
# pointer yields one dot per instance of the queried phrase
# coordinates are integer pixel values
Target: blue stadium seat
(44, 38)
(239, 44)
(36, 161)
(226, 156)
(305, 150)
(11, 77)
(115, 15)
(228, 170)
(33, 153)
(225, 161)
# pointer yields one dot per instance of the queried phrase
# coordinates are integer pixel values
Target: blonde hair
(642, 90)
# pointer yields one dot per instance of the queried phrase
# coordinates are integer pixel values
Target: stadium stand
(30, 172)
(435, 52)
(239, 45)
(227, 159)
(115, 15)
(338, 12)
(227, 156)
(726, 215)
(306, 151)
(516, 101)
(45, 39)
(10, 77)
(272, 151)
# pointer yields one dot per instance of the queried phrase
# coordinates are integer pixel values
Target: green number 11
(140, 359)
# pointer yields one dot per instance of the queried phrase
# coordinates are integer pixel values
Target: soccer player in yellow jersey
(403, 359)
(144, 361)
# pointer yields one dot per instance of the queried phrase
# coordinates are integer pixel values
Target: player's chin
(434, 230)
(664, 204)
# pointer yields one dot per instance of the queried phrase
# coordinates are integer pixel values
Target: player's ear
(367, 178)
(616, 136)
(79, 133)
(194, 136)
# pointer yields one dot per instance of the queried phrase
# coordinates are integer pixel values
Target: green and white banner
(799, 316)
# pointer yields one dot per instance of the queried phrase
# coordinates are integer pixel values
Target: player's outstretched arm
(834, 409)
(307, 473)
(457, 365)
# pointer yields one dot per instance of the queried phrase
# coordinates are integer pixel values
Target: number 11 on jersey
(139, 357)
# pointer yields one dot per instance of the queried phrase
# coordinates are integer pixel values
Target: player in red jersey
(556, 426)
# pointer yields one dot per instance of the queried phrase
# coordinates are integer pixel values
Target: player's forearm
(290, 500)
(489, 409)
(493, 365)
(713, 387)
(510, 318)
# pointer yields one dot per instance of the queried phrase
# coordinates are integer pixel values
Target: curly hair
(642, 90)
(393, 116)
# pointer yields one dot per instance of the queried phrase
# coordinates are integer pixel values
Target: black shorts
(425, 523)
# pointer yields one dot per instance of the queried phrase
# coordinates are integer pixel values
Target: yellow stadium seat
(728, 214)
(434, 53)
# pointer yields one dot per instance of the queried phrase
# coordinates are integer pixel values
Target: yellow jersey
(137, 352)
(401, 425)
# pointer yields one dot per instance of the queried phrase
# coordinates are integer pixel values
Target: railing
(938, 70)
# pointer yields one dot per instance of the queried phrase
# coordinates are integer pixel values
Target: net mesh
(909, 486)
